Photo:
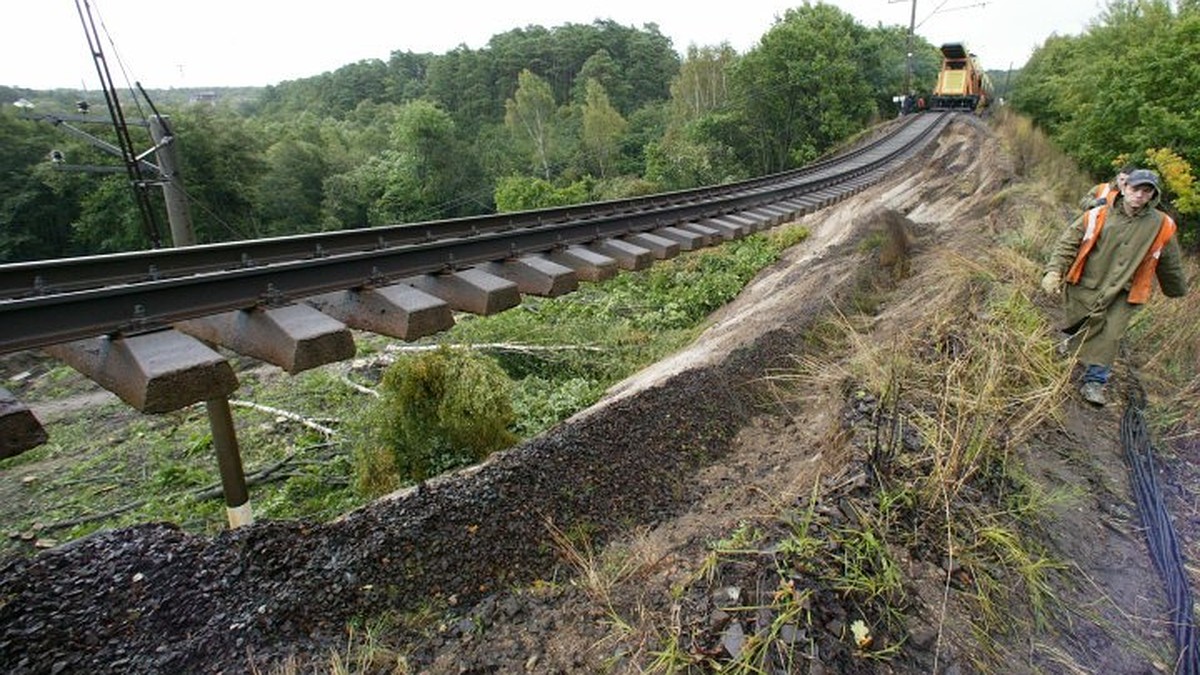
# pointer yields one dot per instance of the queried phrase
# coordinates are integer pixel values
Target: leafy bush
(437, 411)
(520, 193)
(542, 402)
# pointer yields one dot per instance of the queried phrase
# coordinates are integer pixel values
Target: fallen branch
(266, 474)
(393, 349)
(285, 414)
(495, 347)
(358, 387)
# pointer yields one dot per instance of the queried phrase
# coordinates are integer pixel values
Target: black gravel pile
(154, 599)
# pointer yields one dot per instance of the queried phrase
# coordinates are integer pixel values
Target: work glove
(1052, 282)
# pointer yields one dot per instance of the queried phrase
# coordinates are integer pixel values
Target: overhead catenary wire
(112, 45)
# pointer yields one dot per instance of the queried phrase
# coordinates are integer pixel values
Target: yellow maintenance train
(962, 84)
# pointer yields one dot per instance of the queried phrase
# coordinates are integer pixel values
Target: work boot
(1093, 392)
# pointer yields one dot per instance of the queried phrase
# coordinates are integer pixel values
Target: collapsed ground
(639, 535)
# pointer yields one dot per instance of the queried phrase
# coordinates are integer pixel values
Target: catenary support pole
(229, 460)
(182, 233)
(220, 418)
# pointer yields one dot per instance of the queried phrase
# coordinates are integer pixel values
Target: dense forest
(550, 116)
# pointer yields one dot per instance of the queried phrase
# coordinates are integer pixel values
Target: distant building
(209, 97)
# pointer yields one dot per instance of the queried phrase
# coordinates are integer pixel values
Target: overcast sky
(214, 43)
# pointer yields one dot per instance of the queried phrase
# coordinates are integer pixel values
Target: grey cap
(1143, 177)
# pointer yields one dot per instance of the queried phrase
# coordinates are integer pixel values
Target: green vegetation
(1125, 89)
(937, 410)
(437, 411)
(931, 510)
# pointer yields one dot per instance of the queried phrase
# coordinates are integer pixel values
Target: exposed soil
(672, 460)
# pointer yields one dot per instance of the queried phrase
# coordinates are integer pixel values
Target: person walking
(1107, 261)
(1106, 193)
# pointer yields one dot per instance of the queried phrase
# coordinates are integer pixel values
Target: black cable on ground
(1160, 533)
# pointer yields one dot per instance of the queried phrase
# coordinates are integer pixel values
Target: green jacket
(1123, 243)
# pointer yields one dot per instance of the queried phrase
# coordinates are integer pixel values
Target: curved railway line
(140, 324)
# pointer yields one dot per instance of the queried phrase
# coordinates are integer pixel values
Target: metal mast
(129, 157)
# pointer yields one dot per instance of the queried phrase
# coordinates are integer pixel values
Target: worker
(1107, 260)
(1107, 192)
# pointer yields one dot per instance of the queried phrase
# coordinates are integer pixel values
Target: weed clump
(437, 411)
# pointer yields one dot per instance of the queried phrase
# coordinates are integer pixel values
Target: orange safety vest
(1107, 192)
(1143, 276)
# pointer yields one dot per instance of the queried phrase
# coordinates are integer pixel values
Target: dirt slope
(479, 564)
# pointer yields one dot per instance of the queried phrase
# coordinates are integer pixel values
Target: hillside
(760, 499)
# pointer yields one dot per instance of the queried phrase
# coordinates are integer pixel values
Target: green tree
(646, 125)
(222, 160)
(691, 151)
(421, 174)
(109, 221)
(1125, 85)
(346, 200)
(406, 76)
(470, 85)
(644, 59)
(530, 116)
(603, 128)
(1039, 90)
(437, 411)
(37, 204)
(690, 155)
(108, 218)
(290, 191)
(650, 63)
(885, 66)
(702, 85)
(1127, 88)
(524, 193)
(602, 68)
(801, 90)
(439, 170)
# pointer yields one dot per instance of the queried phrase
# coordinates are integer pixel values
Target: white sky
(214, 43)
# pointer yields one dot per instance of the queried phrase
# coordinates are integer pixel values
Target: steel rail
(43, 277)
(53, 318)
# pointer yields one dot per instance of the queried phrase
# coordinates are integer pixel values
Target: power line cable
(1160, 532)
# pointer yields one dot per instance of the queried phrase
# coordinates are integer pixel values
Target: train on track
(962, 84)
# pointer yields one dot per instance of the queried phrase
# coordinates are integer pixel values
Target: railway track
(140, 323)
